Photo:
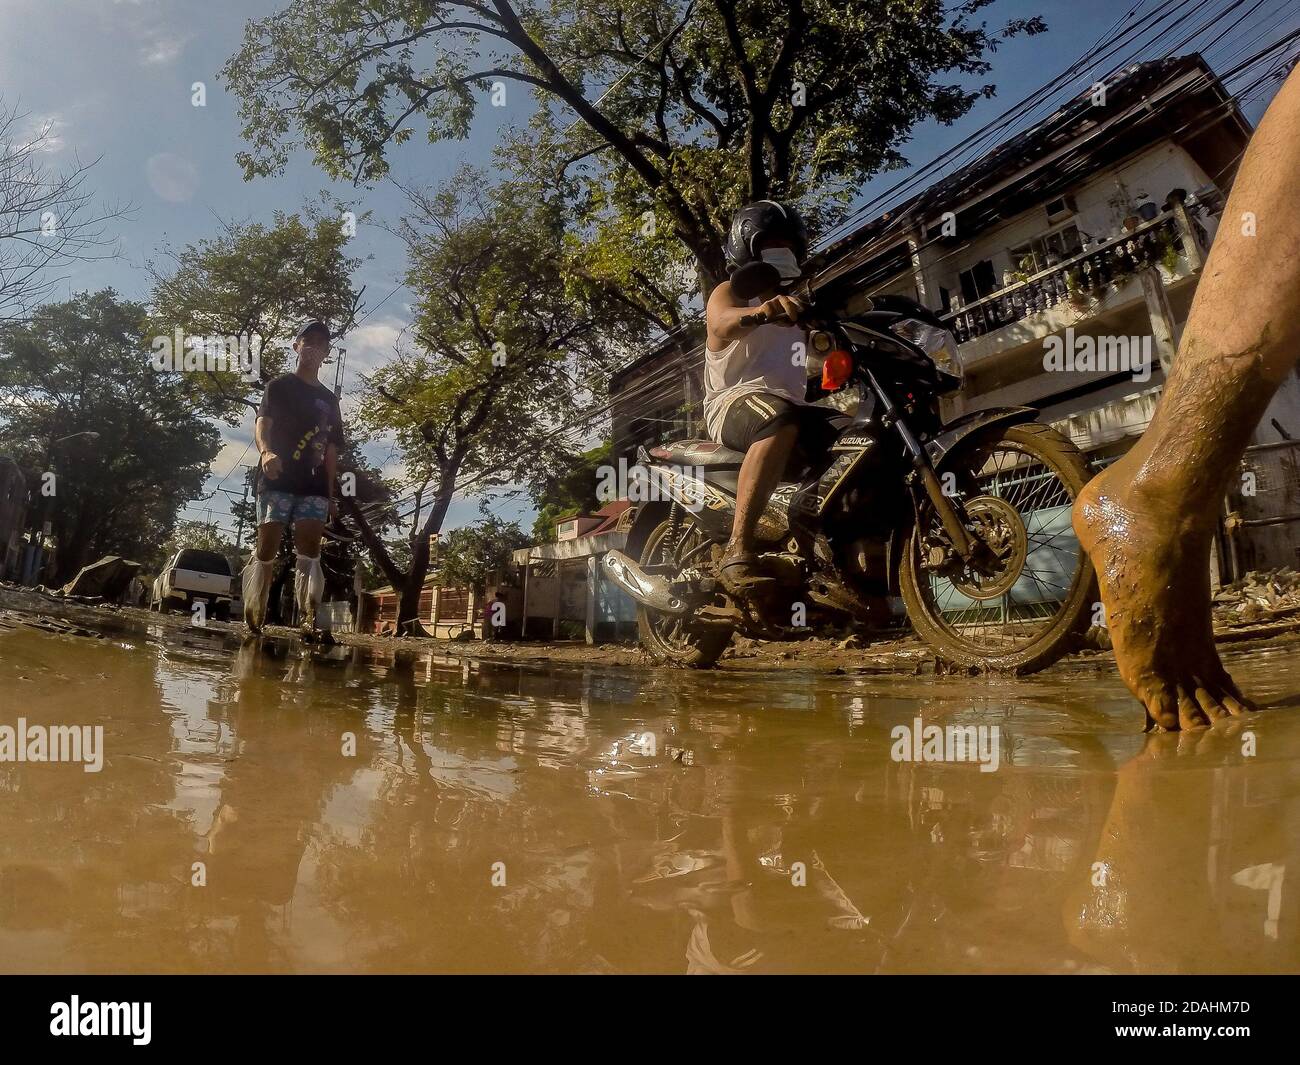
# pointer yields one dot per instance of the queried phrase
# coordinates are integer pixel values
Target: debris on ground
(1097, 638)
(107, 580)
(1261, 606)
(1260, 596)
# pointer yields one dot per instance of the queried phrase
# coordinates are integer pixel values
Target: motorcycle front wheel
(1028, 604)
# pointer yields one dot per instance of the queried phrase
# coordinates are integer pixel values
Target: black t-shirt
(305, 418)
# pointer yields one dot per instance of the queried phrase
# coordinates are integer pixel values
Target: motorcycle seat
(697, 453)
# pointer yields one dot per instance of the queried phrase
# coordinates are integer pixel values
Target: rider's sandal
(740, 575)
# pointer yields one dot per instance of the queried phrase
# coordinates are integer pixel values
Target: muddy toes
(1193, 705)
(1238, 707)
(1233, 701)
(1162, 711)
(1210, 704)
(1190, 715)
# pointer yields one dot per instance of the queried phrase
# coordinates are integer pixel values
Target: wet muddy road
(354, 813)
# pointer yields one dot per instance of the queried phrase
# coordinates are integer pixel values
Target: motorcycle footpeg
(720, 616)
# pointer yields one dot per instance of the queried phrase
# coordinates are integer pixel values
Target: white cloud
(162, 49)
(372, 344)
(394, 471)
(234, 447)
(173, 178)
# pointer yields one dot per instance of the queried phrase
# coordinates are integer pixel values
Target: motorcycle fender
(649, 516)
(977, 421)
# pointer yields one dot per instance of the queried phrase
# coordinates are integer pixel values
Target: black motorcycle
(968, 521)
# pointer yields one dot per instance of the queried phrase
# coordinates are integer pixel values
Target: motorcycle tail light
(836, 369)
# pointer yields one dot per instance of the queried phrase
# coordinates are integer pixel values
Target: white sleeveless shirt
(771, 358)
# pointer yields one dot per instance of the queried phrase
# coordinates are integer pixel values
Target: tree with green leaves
(257, 281)
(566, 485)
(685, 109)
(503, 347)
(475, 554)
(264, 281)
(118, 447)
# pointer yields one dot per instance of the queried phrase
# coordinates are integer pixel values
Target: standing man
(299, 433)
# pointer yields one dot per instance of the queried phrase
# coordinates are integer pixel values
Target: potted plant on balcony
(1170, 257)
(1079, 298)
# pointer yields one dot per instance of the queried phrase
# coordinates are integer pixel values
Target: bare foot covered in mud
(1152, 563)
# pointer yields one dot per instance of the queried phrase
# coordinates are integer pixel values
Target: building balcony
(1093, 283)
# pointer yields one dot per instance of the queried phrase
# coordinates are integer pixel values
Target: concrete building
(1061, 259)
(564, 588)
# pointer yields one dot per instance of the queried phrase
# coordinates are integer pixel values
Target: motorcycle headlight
(939, 344)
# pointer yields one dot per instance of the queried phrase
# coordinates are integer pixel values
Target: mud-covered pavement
(274, 807)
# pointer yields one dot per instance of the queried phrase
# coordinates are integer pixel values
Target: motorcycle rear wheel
(668, 638)
(1037, 615)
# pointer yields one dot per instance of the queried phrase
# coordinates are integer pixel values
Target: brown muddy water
(355, 813)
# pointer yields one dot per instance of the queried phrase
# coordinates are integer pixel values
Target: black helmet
(760, 220)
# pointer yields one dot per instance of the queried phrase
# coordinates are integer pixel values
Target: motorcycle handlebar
(762, 318)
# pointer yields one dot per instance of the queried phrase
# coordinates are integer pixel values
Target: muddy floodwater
(276, 808)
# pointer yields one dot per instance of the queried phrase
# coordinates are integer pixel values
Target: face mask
(784, 260)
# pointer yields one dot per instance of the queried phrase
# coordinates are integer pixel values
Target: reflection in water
(354, 812)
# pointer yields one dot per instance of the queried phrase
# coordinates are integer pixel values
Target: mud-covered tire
(1056, 452)
(699, 648)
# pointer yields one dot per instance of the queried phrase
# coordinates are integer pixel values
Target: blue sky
(112, 79)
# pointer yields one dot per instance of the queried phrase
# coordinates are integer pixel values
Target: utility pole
(340, 360)
(239, 530)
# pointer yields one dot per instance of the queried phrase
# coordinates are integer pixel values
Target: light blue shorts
(285, 507)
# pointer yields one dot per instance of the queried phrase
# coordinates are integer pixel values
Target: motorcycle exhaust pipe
(641, 586)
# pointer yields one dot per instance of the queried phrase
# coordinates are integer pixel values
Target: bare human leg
(268, 540)
(759, 473)
(1148, 520)
(307, 536)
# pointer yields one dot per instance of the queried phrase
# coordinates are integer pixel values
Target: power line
(1104, 49)
(1208, 118)
(1098, 50)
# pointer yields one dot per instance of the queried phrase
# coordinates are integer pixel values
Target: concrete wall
(576, 592)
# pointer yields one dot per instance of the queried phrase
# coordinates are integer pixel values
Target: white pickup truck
(193, 576)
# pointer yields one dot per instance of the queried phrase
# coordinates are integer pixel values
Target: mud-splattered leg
(1148, 520)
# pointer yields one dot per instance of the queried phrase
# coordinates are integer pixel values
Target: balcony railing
(1080, 279)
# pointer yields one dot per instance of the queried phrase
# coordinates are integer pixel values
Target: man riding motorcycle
(755, 378)
(794, 514)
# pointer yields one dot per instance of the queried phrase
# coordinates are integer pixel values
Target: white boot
(256, 592)
(308, 589)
